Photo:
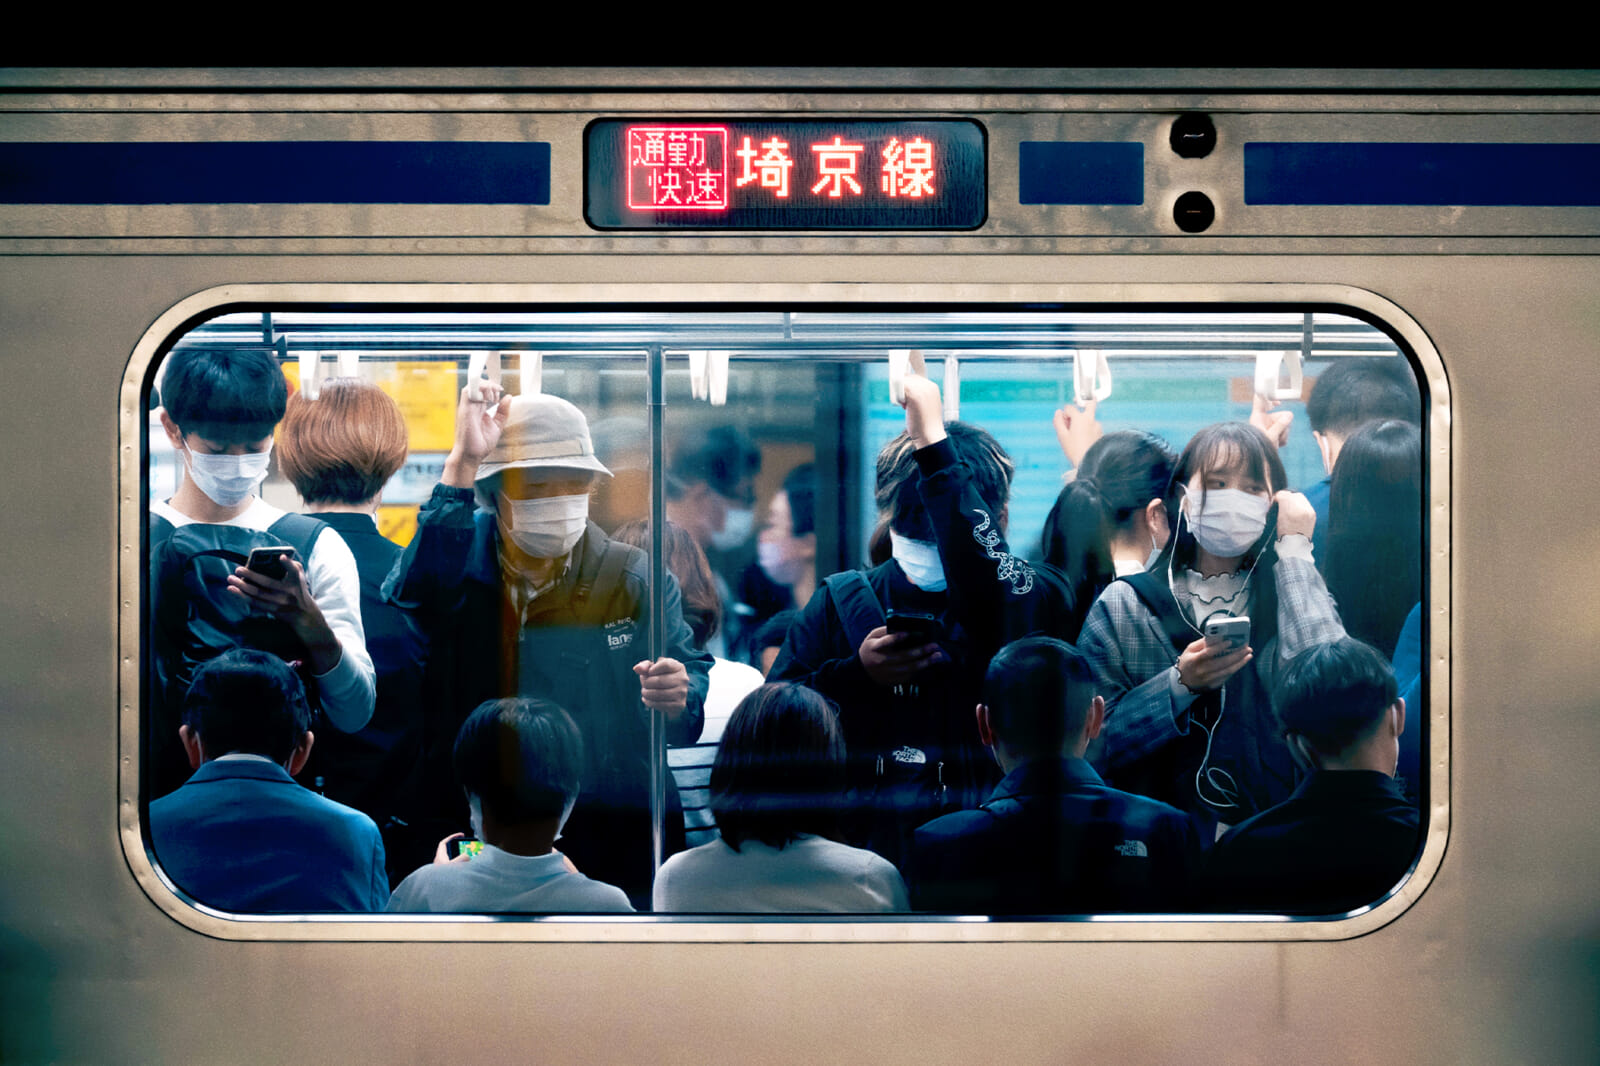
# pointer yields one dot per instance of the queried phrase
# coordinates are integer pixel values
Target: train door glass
(776, 443)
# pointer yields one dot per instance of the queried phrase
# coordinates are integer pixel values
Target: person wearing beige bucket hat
(523, 595)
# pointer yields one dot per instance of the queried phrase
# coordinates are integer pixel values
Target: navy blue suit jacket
(242, 836)
(1055, 839)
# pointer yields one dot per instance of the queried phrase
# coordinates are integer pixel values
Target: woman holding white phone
(1189, 720)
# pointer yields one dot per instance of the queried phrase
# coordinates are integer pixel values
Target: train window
(947, 612)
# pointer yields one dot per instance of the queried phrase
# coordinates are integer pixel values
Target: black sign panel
(769, 174)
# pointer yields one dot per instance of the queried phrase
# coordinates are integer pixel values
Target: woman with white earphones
(1186, 652)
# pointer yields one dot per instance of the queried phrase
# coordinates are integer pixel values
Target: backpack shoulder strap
(299, 530)
(856, 603)
(1154, 593)
(598, 587)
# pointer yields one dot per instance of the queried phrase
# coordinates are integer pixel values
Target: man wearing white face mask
(519, 762)
(522, 595)
(220, 409)
(906, 686)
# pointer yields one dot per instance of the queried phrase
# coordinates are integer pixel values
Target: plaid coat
(1131, 657)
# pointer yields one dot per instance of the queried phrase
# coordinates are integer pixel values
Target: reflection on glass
(1186, 542)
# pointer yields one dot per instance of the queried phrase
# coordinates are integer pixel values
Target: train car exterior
(1458, 211)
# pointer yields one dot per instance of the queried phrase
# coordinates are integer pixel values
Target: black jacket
(1055, 839)
(1343, 840)
(578, 648)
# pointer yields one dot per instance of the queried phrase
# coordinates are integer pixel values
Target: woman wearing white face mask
(1188, 722)
(527, 597)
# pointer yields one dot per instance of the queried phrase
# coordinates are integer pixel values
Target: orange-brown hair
(344, 445)
(702, 609)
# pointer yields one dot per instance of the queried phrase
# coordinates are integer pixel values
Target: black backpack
(194, 618)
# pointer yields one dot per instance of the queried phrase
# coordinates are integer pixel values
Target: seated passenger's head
(344, 446)
(710, 482)
(1339, 709)
(538, 477)
(519, 762)
(779, 770)
(702, 608)
(1038, 702)
(218, 408)
(1115, 506)
(1353, 392)
(247, 702)
(898, 497)
(1222, 488)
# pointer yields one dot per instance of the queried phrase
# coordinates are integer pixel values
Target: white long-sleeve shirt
(348, 689)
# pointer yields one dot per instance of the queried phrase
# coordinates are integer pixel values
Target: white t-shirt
(348, 690)
(495, 881)
(809, 874)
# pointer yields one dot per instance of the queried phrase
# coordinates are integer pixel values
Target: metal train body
(1487, 953)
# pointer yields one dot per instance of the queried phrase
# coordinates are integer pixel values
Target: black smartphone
(924, 626)
(463, 846)
(266, 561)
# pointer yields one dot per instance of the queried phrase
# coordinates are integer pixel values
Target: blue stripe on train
(1422, 174)
(1080, 172)
(275, 172)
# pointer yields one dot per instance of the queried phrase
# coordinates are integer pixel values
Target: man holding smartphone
(220, 408)
(897, 647)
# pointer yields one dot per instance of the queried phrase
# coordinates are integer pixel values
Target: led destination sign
(763, 174)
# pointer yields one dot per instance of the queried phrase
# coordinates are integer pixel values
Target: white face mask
(1230, 521)
(782, 567)
(475, 816)
(227, 480)
(920, 561)
(737, 525)
(548, 528)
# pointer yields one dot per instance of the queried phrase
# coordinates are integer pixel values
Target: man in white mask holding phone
(220, 407)
(522, 595)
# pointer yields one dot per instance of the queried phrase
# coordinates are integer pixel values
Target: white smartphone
(1231, 633)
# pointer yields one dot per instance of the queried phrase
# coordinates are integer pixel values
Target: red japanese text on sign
(908, 168)
(836, 162)
(771, 164)
(678, 168)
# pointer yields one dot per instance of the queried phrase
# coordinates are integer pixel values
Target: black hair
(1119, 476)
(897, 493)
(224, 395)
(1335, 694)
(1374, 547)
(800, 485)
(1214, 447)
(775, 630)
(1357, 390)
(1038, 691)
(248, 701)
(724, 457)
(522, 757)
(779, 770)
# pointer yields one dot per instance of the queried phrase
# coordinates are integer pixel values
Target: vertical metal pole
(656, 638)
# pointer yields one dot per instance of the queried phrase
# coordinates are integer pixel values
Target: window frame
(1355, 302)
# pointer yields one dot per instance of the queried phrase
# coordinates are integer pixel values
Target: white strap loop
(1269, 375)
(1091, 376)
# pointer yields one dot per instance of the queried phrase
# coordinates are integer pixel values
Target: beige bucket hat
(543, 432)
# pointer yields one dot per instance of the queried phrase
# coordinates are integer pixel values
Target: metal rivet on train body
(1194, 212)
(1193, 136)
